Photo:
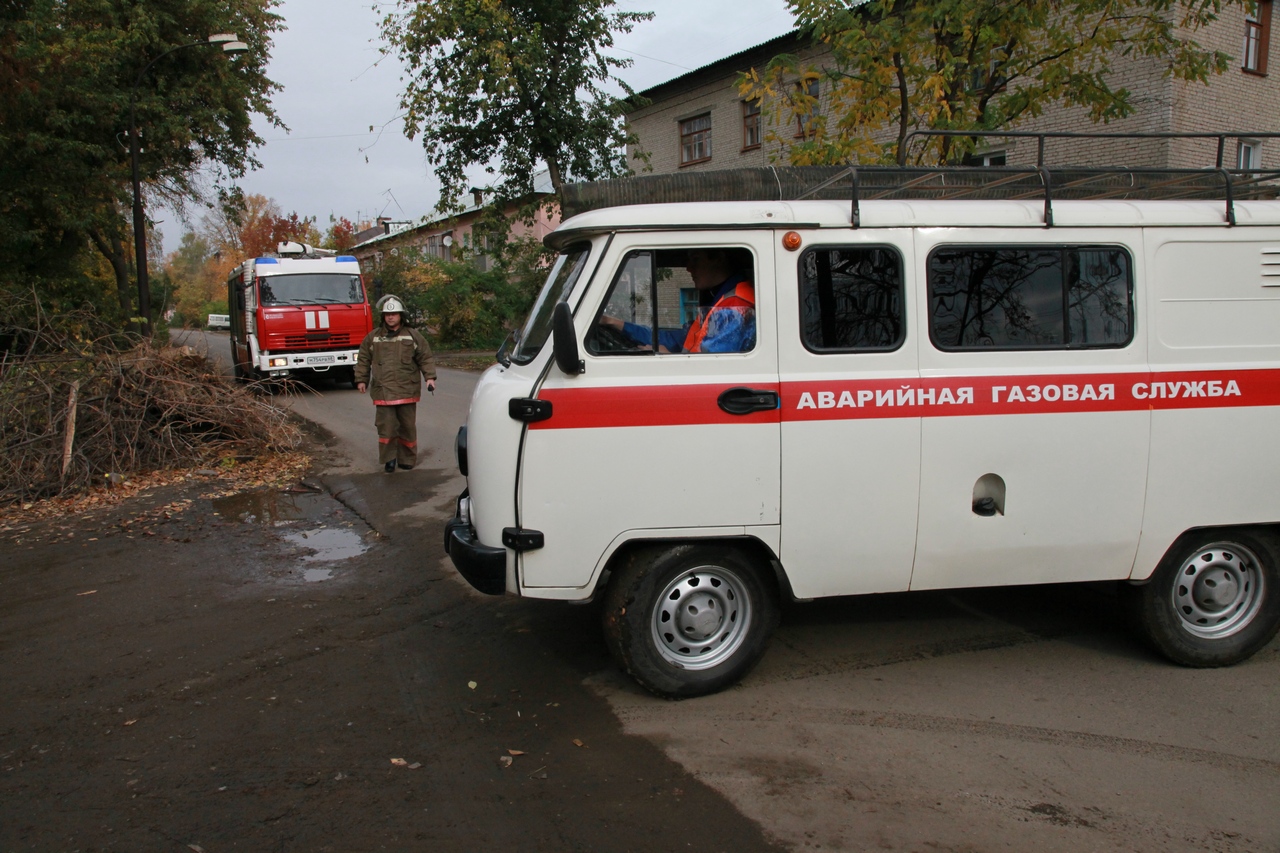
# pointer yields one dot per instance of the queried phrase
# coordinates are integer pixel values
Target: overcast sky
(335, 89)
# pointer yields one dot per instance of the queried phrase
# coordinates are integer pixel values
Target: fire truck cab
(300, 310)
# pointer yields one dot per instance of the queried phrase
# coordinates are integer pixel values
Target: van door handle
(744, 401)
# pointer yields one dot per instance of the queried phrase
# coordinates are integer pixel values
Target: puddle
(329, 544)
(295, 511)
(272, 508)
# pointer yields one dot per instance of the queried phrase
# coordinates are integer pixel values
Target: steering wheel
(604, 338)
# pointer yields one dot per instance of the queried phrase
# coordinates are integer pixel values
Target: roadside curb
(344, 490)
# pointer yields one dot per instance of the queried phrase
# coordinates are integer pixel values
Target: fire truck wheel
(689, 619)
(1214, 600)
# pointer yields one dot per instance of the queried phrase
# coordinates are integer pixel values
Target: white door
(851, 427)
(645, 443)
(1042, 478)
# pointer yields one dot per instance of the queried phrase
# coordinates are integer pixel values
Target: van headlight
(278, 362)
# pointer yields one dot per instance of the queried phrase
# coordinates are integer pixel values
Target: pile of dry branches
(74, 414)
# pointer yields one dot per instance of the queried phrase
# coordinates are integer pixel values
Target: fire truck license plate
(320, 359)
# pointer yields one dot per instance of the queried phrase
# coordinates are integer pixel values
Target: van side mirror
(564, 340)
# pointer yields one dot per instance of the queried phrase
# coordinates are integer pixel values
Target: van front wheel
(1213, 601)
(688, 619)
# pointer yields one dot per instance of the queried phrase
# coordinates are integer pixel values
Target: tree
(902, 65)
(198, 279)
(341, 234)
(67, 71)
(247, 227)
(509, 84)
(252, 226)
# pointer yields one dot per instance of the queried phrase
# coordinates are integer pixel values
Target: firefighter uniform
(393, 363)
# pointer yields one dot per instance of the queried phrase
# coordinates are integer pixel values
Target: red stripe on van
(648, 405)
(677, 405)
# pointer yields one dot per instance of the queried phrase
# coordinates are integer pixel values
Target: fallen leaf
(399, 762)
(470, 684)
(90, 592)
(515, 752)
(577, 742)
(415, 765)
(130, 722)
(505, 760)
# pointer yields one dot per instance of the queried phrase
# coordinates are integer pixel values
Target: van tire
(729, 613)
(1214, 599)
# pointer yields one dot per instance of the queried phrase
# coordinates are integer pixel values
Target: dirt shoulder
(207, 667)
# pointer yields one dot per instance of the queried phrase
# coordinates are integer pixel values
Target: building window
(1257, 37)
(987, 78)
(986, 158)
(695, 139)
(1248, 155)
(750, 125)
(1030, 297)
(806, 102)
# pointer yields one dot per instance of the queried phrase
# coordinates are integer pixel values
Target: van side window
(1030, 297)
(851, 299)
(688, 301)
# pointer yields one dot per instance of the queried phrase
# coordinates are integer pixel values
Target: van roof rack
(1042, 181)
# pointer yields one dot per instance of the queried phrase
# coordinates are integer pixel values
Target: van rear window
(1030, 297)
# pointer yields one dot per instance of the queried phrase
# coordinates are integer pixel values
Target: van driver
(726, 320)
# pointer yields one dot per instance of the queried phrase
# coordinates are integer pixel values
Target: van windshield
(311, 289)
(560, 282)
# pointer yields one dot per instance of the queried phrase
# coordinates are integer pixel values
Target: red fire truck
(299, 311)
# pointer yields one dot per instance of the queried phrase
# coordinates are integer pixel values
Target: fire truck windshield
(310, 289)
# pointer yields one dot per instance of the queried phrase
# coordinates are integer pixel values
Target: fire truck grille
(320, 340)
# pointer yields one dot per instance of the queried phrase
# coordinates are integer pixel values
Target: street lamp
(230, 44)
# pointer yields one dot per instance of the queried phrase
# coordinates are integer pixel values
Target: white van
(937, 394)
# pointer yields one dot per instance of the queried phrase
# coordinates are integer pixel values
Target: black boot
(390, 467)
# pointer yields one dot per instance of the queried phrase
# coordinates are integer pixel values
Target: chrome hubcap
(1218, 590)
(701, 618)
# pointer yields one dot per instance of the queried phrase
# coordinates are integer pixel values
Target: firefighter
(391, 359)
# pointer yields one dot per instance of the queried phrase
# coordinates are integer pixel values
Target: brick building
(698, 120)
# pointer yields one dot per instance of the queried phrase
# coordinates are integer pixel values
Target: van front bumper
(483, 566)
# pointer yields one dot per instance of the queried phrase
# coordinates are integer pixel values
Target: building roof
(736, 63)
(541, 186)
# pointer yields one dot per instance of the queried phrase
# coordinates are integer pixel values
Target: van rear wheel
(1213, 601)
(688, 619)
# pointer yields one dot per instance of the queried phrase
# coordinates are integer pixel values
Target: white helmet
(392, 305)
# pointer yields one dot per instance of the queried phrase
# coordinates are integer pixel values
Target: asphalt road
(978, 720)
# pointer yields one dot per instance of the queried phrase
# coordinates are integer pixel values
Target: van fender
(763, 541)
(1269, 531)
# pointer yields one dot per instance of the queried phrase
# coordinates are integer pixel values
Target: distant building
(698, 120)
(443, 236)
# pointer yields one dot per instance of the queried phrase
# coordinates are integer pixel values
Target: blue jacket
(727, 325)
